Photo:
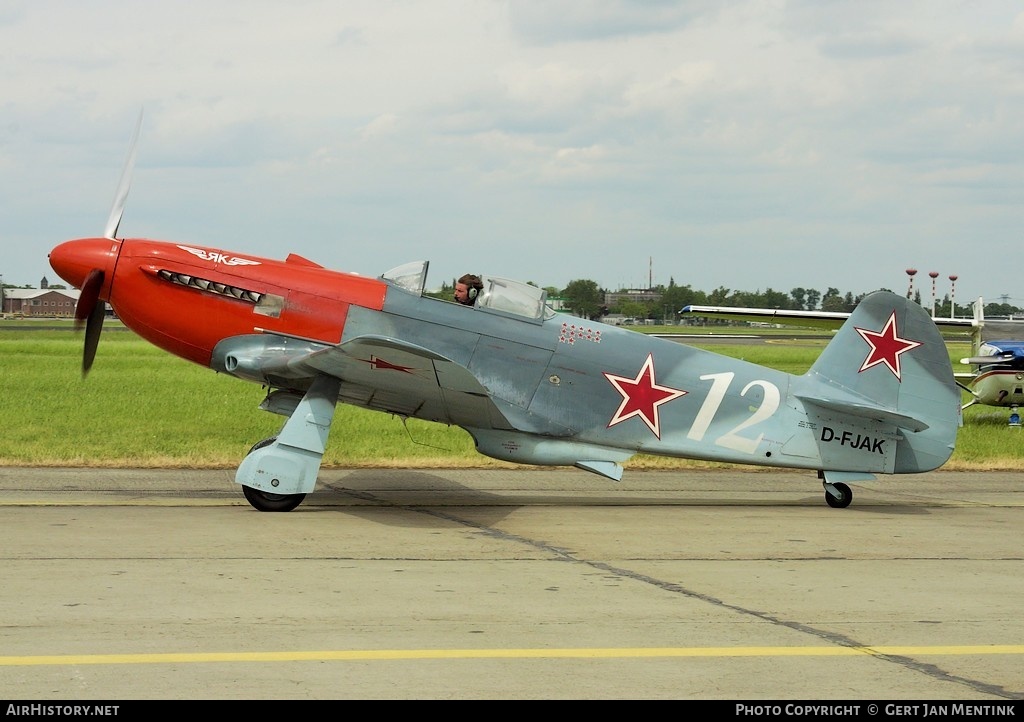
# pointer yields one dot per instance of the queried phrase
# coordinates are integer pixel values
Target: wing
(814, 319)
(387, 374)
(376, 372)
(808, 319)
(1000, 353)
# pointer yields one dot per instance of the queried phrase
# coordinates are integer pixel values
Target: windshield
(411, 276)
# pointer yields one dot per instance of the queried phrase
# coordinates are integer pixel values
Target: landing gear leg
(1014, 416)
(279, 472)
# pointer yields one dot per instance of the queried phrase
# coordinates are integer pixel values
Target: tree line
(586, 299)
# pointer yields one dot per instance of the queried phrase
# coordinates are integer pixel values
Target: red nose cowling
(73, 260)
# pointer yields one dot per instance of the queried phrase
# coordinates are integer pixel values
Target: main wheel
(844, 500)
(265, 500)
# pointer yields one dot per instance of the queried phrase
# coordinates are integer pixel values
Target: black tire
(843, 501)
(261, 444)
(264, 500)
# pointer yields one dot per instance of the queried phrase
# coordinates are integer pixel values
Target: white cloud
(744, 145)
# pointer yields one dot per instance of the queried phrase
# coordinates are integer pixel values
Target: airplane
(530, 385)
(997, 355)
(997, 348)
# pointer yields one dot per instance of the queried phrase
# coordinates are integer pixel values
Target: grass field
(142, 407)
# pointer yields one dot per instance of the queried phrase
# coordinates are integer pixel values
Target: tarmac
(158, 584)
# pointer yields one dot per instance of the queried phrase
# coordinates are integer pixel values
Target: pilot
(467, 288)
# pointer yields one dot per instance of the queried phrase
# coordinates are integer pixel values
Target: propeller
(90, 308)
(90, 311)
(117, 210)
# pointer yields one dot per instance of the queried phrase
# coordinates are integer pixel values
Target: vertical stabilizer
(888, 370)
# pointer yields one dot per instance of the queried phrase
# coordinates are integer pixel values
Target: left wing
(387, 374)
(375, 372)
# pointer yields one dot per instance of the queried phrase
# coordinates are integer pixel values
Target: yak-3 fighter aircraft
(530, 385)
(997, 348)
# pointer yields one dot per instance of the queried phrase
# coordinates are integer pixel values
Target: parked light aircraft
(997, 348)
(530, 385)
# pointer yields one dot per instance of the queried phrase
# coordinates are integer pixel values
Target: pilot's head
(467, 288)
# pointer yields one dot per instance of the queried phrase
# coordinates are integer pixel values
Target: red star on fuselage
(642, 396)
(886, 347)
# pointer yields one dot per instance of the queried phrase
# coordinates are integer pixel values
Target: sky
(748, 145)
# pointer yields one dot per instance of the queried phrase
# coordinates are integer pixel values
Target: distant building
(618, 319)
(614, 299)
(51, 302)
(557, 303)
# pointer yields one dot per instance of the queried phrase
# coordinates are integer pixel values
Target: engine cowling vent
(221, 289)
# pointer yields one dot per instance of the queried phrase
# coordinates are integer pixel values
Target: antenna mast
(910, 288)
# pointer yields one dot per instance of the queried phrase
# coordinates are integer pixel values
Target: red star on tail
(886, 347)
(642, 397)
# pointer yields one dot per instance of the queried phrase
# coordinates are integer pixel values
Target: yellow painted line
(409, 654)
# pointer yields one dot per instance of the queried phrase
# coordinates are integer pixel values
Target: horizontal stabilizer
(867, 411)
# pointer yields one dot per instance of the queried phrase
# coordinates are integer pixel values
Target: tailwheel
(265, 500)
(845, 495)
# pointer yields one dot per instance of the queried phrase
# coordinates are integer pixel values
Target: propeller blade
(90, 310)
(92, 336)
(89, 298)
(117, 210)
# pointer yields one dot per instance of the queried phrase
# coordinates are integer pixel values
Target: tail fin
(888, 371)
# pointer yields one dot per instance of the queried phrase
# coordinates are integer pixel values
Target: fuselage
(1001, 382)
